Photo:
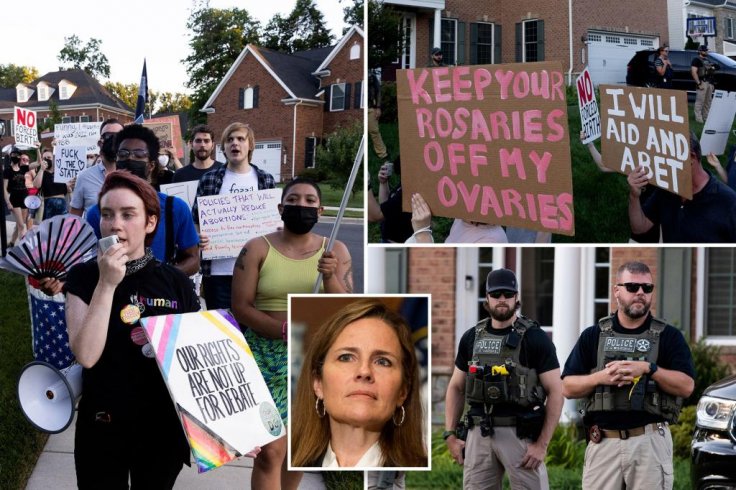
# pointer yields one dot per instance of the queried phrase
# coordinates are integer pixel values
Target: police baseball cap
(501, 279)
(436, 51)
(703, 48)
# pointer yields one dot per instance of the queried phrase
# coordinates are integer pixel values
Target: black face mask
(15, 159)
(299, 219)
(108, 149)
(135, 167)
(48, 161)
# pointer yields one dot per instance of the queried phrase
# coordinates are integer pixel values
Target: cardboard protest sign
(230, 220)
(78, 134)
(215, 383)
(648, 127)
(185, 190)
(718, 125)
(168, 131)
(488, 143)
(68, 162)
(590, 118)
(26, 129)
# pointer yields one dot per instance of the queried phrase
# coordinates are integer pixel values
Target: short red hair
(122, 179)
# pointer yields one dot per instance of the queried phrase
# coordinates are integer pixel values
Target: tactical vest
(645, 395)
(495, 374)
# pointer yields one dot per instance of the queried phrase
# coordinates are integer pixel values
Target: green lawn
(600, 199)
(21, 443)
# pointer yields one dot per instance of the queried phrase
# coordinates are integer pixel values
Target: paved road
(351, 234)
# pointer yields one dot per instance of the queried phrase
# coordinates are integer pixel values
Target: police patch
(614, 344)
(643, 345)
(488, 346)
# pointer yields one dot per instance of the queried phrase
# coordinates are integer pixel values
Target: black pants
(217, 291)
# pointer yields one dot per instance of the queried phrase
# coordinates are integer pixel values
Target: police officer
(634, 370)
(506, 367)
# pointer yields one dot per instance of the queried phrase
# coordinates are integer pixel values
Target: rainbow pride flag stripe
(209, 450)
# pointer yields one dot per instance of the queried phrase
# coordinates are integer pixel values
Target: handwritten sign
(162, 132)
(185, 190)
(26, 130)
(488, 143)
(718, 125)
(215, 383)
(590, 118)
(648, 127)
(68, 162)
(168, 131)
(78, 134)
(230, 220)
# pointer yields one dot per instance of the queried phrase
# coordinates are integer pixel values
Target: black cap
(14, 150)
(501, 279)
(436, 51)
(703, 47)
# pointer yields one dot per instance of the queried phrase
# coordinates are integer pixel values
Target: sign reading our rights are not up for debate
(488, 143)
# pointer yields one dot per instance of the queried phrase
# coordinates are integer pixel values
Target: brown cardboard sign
(488, 143)
(168, 131)
(648, 127)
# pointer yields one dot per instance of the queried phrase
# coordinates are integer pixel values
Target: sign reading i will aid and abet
(68, 162)
(590, 118)
(230, 220)
(78, 134)
(26, 130)
(488, 143)
(648, 127)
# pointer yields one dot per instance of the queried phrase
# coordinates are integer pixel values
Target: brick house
(724, 41)
(78, 96)
(602, 35)
(566, 289)
(292, 101)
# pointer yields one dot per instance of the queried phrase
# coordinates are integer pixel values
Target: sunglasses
(633, 287)
(502, 292)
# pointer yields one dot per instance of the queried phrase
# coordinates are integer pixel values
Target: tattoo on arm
(348, 278)
(240, 262)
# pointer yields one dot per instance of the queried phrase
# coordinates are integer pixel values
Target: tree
(304, 28)
(11, 75)
(337, 155)
(385, 39)
(54, 117)
(353, 14)
(173, 102)
(127, 92)
(218, 37)
(86, 57)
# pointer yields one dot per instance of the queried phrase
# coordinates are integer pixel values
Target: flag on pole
(140, 106)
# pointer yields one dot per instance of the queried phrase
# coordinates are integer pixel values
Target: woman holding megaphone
(127, 427)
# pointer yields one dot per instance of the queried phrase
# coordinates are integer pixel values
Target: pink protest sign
(488, 143)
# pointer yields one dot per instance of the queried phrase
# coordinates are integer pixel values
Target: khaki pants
(375, 135)
(486, 459)
(703, 96)
(641, 462)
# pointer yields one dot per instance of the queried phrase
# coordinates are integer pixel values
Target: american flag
(48, 319)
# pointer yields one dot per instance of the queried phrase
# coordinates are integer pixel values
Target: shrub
(709, 368)
(566, 449)
(315, 174)
(337, 155)
(389, 109)
(682, 432)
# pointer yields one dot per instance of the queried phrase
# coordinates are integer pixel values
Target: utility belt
(596, 434)
(528, 424)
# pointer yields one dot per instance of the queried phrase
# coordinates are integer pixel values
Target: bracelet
(283, 331)
(420, 230)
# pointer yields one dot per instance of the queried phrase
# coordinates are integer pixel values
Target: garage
(267, 156)
(610, 52)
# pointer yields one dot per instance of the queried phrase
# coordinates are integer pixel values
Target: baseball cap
(436, 51)
(703, 47)
(501, 279)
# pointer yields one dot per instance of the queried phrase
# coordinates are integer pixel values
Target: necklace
(133, 266)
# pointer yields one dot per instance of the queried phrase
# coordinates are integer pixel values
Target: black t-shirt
(124, 382)
(698, 63)
(673, 354)
(16, 179)
(537, 352)
(396, 224)
(190, 172)
(49, 187)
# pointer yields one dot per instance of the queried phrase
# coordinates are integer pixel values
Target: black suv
(640, 71)
(713, 464)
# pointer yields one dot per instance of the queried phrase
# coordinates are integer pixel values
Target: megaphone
(48, 396)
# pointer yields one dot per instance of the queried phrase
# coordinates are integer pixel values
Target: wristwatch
(652, 369)
(448, 433)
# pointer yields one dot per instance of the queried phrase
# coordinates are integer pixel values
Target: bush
(315, 174)
(343, 480)
(337, 155)
(682, 432)
(566, 448)
(709, 368)
(389, 109)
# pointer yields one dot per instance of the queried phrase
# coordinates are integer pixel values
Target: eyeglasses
(107, 136)
(138, 153)
(633, 287)
(502, 292)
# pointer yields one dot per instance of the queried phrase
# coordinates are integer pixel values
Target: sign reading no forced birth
(488, 143)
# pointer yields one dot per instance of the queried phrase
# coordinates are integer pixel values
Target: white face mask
(163, 160)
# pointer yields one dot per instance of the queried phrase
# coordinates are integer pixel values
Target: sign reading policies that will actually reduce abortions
(488, 143)
(648, 127)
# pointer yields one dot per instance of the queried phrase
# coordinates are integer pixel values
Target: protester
(507, 428)
(89, 181)
(203, 144)
(32, 191)
(237, 175)
(15, 191)
(663, 66)
(160, 173)
(702, 70)
(710, 217)
(176, 240)
(357, 399)
(266, 271)
(127, 427)
(54, 195)
(396, 223)
(632, 393)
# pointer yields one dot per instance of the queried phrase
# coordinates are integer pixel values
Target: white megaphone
(48, 396)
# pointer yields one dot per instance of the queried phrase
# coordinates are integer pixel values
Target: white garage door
(609, 53)
(267, 156)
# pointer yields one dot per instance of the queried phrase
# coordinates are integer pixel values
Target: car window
(681, 58)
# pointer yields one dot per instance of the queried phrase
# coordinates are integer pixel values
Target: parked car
(640, 71)
(713, 451)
